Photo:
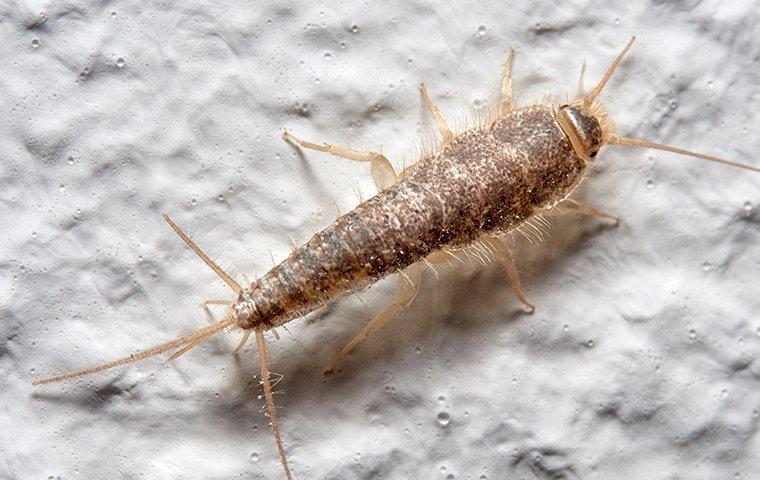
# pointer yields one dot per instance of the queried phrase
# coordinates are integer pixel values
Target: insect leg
(406, 290)
(382, 170)
(508, 260)
(588, 210)
(440, 122)
(506, 86)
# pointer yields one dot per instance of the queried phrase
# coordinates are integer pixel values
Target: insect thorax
(522, 162)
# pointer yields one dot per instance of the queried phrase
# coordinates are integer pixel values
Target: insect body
(487, 181)
(478, 186)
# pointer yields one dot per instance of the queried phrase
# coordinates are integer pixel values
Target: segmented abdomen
(488, 179)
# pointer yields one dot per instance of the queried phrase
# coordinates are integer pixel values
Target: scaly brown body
(488, 179)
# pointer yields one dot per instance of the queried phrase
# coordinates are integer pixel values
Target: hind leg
(508, 260)
(382, 171)
(406, 290)
(506, 86)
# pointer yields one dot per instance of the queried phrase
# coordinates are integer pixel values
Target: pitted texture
(488, 179)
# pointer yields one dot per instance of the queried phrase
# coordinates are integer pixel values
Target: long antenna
(600, 86)
(635, 142)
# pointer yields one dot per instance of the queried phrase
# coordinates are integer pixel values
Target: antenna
(635, 142)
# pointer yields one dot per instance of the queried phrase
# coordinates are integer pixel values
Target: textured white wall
(641, 361)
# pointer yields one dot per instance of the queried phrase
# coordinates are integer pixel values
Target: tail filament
(264, 358)
(191, 338)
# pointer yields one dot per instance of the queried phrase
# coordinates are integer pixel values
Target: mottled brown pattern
(488, 179)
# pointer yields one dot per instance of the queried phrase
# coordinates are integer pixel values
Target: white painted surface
(642, 360)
